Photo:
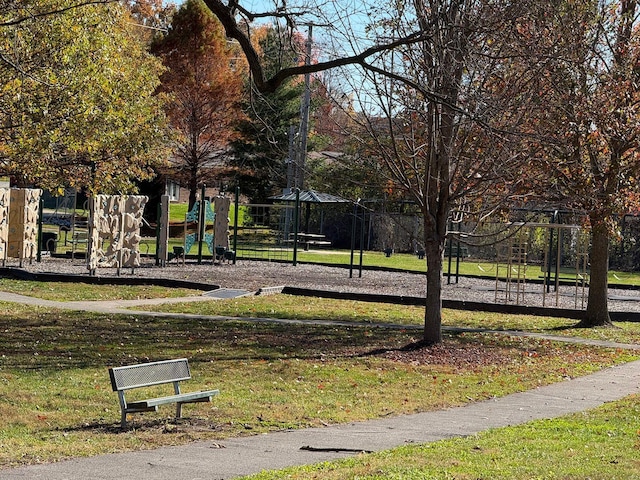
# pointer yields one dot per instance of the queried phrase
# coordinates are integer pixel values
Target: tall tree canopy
(153, 17)
(203, 80)
(77, 105)
(588, 122)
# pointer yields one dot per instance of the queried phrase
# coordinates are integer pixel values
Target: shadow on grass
(63, 339)
(149, 425)
(410, 347)
(46, 340)
(564, 328)
(584, 326)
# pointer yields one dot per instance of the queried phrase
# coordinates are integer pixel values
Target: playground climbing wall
(22, 238)
(221, 221)
(115, 222)
(203, 219)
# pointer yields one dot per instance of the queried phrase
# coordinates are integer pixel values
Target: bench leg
(178, 410)
(123, 409)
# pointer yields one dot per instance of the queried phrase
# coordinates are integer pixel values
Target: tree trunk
(597, 313)
(433, 310)
(193, 188)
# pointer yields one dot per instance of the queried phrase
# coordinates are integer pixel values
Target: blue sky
(342, 34)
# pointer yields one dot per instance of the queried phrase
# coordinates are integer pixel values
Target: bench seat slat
(204, 396)
(140, 409)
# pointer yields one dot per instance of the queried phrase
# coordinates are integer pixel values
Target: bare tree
(235, 19)
(443, 127)
(441, 118)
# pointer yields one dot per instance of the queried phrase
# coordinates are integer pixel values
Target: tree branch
(226, 15)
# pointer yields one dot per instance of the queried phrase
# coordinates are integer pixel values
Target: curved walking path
(124, 307)
(235, 457)
(119, 306)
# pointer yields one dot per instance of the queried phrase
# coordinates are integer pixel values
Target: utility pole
(291, 175)
(291, 160)
(304, 117)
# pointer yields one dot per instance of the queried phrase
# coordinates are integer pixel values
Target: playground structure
(67, 218)
(114, 231)
(564, 254)
(101, 232)
(265, 232)
(19, 226)
(511, 267)
(271, 232)
(201, 214)
(204, 217)
(4, 224)
(579, 269)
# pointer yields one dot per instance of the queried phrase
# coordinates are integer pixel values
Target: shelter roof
(310, 196)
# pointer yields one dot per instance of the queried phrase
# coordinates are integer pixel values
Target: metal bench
(155, 373)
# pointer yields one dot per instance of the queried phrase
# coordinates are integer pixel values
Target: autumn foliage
(77, 105)
(203, 85)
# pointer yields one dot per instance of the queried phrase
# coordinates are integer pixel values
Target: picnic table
(312, 239)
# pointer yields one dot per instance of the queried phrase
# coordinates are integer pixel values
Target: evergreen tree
(261, 152)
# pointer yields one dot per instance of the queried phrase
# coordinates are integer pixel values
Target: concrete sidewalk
(121, 306)
(235, 457)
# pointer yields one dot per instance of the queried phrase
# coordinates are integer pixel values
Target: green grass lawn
(600, 444)
(468, 267)
(69, 292)
(178, 212)
(56, 401)
(312, 308)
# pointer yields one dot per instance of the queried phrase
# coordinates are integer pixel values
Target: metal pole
(158, 217)
(370, 230)
(90, 246)
(353, 237)
(296, 224)
(121, 214)
(304, 114)
(449, 255)
(548, 273)
(201, 220)
(235, 226)
(40, 215)
(558, 258)
(361, 241)
(291, 160)
(458, 256)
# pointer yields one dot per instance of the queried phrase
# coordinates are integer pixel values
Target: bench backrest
(147, 374)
